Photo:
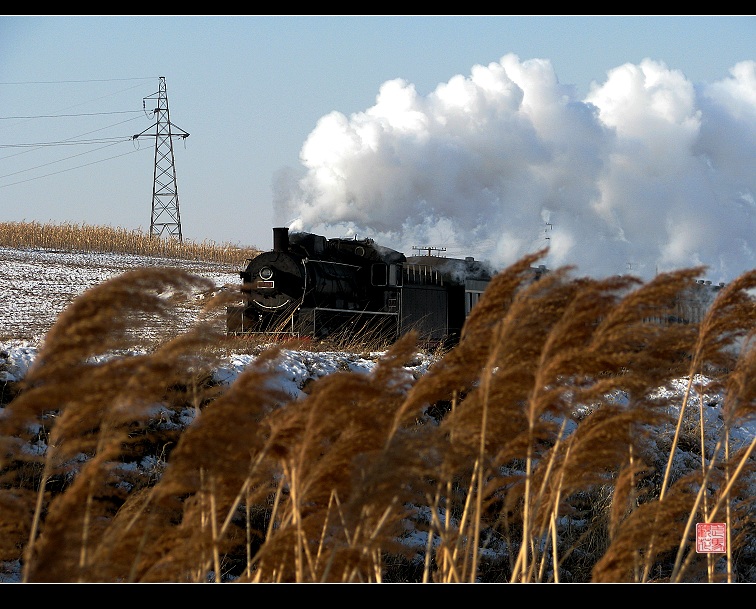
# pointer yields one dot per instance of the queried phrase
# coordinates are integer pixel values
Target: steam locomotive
(311, 286)
(308, 285)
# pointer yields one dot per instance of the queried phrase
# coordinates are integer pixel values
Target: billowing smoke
(647, 174)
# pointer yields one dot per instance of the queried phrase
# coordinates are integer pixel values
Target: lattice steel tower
(165, 199)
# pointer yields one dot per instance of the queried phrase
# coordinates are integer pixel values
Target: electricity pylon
(165, 200)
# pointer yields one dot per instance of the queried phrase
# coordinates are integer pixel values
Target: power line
(33, 146)
(5, 118)
(57, 82)
(103, 140)
(90, 100)
(72, 168)
(7, 175)
(76, 140)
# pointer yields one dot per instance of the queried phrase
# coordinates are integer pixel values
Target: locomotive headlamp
(266, 273)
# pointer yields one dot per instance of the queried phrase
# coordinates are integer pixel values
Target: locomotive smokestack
(280, 239)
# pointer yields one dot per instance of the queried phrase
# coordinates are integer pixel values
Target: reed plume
(540, 448)
(88, 406)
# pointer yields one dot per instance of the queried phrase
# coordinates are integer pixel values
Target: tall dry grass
(88, 238)
(539, 449)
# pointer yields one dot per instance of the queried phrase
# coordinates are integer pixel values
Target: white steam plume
(647, 174)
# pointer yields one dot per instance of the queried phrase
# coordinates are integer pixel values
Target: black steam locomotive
(311, 286)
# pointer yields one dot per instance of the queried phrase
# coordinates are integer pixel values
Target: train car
(438, 294)
(691, 305)
(311, 286)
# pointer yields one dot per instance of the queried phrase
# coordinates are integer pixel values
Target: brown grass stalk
(540, 435)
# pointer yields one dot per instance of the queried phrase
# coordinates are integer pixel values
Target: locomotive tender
(308, 285)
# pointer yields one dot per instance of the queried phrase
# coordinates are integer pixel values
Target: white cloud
(648, 172)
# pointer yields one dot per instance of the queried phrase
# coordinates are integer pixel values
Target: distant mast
(165, 201)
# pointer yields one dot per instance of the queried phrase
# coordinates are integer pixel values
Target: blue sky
(253, 90)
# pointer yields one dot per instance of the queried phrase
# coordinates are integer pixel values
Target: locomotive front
(274, 281)
(273, 285)
(314, 286)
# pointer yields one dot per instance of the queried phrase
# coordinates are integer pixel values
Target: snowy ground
(37, 285)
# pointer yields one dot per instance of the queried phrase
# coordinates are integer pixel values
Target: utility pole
(428, 248)
(165, 200)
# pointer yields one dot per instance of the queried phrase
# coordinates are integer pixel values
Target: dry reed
(533, 451)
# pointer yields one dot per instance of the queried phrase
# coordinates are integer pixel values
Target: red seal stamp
(711, 537)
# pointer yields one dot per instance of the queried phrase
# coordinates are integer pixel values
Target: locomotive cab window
(395, 275)
(386, 274)
(379, 274)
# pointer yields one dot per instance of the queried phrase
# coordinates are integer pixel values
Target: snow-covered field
(37, 285)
